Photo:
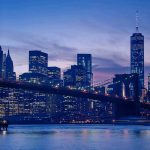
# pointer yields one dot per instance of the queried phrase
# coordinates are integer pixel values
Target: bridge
(123, 106)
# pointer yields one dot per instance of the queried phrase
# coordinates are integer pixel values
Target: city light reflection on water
(3, 132)
(75, 137)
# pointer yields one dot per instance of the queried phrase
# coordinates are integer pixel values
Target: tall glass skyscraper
(137, 57)
(38, 62)
(1, 61)
(85, 60)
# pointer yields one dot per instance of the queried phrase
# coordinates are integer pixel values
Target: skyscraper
(1, 61)
(137, 57)
(38, 62)
(9, 68)
(85, 60)
(75, 77)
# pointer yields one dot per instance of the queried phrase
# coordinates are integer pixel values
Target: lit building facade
(85, 60)
(38, 62)
(36, 78)
(75, 109)
(75, 77)
(137, 57)
(67, 78)
(54, 74)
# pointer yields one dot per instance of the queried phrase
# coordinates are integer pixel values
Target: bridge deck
(67, 92)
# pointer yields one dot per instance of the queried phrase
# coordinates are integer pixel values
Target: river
(75, 137)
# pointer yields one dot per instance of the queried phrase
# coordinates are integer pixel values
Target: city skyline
(74, 74)
(100, 37)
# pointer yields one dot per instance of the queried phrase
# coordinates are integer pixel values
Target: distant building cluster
(23, 105)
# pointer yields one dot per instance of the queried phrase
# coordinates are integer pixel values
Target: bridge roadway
(68, 92)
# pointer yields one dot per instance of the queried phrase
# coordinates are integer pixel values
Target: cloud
(21, 43)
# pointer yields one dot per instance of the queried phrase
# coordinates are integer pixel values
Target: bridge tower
(123, 90)
(126, 86)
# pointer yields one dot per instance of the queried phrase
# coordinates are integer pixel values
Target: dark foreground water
(75, 137)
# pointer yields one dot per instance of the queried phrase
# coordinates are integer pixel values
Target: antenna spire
(137, 21)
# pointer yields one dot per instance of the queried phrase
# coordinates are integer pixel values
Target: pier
(3, 125)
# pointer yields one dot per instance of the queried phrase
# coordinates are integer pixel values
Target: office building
(54, 74)
(38, 62)
(137, 57)
(75, 77)
(85, 60)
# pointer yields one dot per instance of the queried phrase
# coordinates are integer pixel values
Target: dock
(3, 125)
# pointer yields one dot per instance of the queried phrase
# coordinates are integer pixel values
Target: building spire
(137, 21)
(8, 53)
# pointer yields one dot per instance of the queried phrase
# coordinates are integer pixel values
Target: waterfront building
(38, 62)
(85, 60)
(38, 106)
(137, 57)
(75, 109)
(25, 106)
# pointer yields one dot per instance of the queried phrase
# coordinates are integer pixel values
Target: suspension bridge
(124, 105)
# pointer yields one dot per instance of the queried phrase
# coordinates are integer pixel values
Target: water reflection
(75, 137)
(3, 132)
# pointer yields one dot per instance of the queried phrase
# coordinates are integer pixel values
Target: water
(75, 137)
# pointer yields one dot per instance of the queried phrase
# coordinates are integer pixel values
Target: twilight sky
(63, 28)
